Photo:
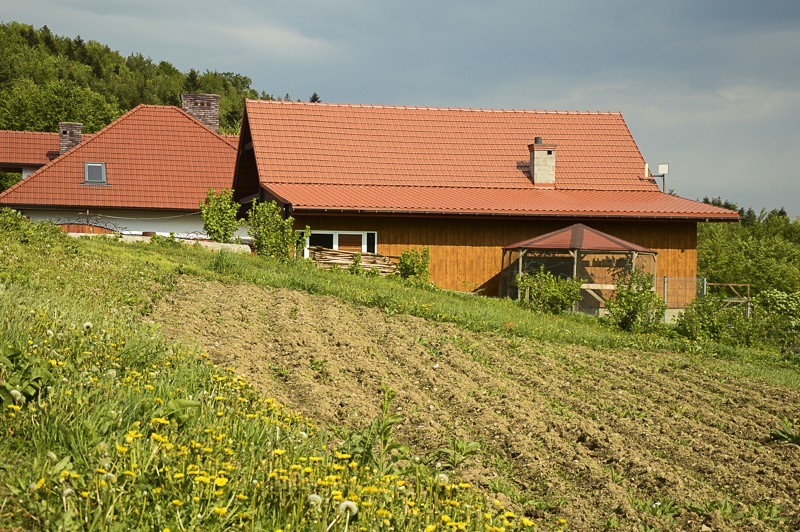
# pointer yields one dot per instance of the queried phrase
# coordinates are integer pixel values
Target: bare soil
(602, 439)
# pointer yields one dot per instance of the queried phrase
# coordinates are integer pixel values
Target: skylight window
(95, 173)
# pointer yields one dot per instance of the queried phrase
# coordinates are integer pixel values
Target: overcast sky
(711, 87)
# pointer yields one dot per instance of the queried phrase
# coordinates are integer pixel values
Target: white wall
(182, 224)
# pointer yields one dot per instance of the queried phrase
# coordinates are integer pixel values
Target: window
(95, 173)
(356, 241)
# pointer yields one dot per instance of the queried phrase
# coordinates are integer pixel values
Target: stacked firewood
(330, 258)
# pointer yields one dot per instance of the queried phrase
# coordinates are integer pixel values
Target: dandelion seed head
(66, 492)
(314, 500)
(441, 478)
(17, 395)
(51, 456)
(348, 506)
(87, 326)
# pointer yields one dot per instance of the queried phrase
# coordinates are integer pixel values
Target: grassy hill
(157, 375)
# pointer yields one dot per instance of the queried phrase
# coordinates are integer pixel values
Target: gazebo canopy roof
(578, 236)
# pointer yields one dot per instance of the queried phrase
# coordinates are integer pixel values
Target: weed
(787, 431)
(456, 453)
(724, 508)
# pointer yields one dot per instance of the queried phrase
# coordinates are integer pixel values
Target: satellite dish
(663, 168)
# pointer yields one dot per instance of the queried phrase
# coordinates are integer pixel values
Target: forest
(47, 78)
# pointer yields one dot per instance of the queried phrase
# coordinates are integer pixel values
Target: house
(463, 182)
(24, 152)
(146, 172)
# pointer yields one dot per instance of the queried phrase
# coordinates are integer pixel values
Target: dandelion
(177, 502)
(220, 511)
(66, 492)
(441, 478)
(15, 408)
(220, 481)
(17, 395)
(348, 506)
(87, 326)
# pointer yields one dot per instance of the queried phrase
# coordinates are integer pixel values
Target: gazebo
(575, 252)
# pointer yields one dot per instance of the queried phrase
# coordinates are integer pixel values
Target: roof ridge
(193, 119)
(432, 108)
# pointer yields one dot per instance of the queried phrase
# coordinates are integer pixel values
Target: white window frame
(336, 234)
(86, 180)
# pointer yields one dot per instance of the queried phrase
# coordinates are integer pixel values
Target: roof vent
(543, 163)
(69, 136)
(202, 107)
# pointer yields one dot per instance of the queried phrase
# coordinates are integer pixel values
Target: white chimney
(543, 163)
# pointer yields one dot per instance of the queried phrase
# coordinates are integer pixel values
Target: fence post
(666, 303)
(705, 285)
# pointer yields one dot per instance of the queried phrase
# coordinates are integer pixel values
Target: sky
(711, 87)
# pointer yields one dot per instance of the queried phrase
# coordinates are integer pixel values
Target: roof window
(94, 174)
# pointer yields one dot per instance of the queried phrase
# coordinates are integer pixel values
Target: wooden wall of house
(466, 253)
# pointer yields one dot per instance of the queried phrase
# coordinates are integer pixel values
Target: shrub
(414, 265)
(777, 315)
(273, 235)
(635, 306)
(545, 292)
(219, 212)
(707, 318)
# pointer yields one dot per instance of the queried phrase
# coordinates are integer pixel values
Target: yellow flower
(278, 452)
(156, 490)
(129, 473)
(241, 497)
(85, 494)
(40, 483)
(220, 511)
(158, 438)
(430, 528)
(202, 479)
(159, 421)
(15, 408)
(121, 449)
(220, 481)
(527, 522)
(178, 476)
(101, 471)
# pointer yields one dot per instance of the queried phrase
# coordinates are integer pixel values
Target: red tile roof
(418, 146)
(453, 161)
(157, 157)
(27, 148)
(494, 201)
(579, 236)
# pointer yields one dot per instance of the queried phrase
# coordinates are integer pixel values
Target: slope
(600, 438)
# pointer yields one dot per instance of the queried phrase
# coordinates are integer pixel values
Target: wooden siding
(466, 253)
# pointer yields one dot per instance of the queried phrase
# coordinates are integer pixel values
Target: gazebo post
(521, 257)
(575, 257)
(633, 260)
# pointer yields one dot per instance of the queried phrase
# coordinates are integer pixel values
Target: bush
(777, 319)
(707, 318)
(219, 212)
(545, 292)
(414, 265)
(273, 235)
(635, 306)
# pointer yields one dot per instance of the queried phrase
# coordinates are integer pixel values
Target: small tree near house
(273, 235)
(219, 211)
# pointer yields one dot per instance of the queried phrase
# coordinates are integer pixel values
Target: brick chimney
(203, 107)
(69, 135)
(543, 163)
